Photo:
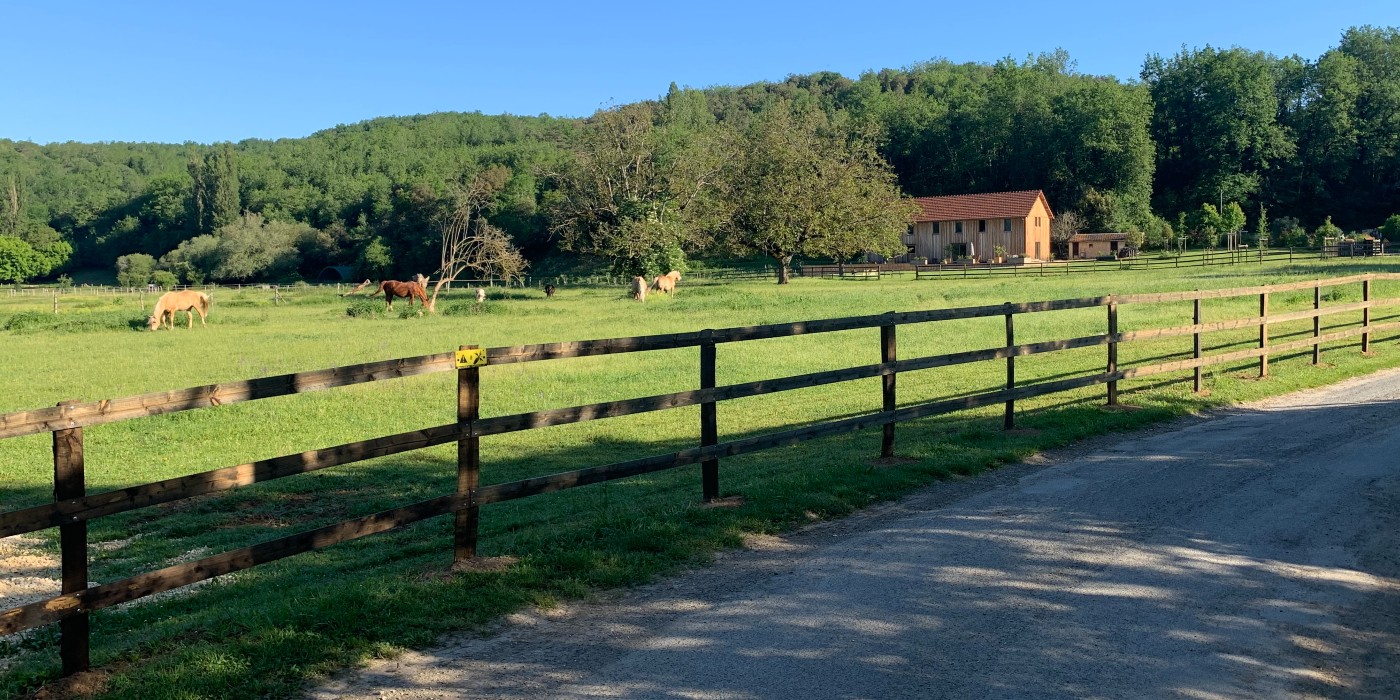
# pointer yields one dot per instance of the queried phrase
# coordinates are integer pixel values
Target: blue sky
(211, 71)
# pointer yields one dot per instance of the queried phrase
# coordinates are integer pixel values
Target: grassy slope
(267, 630)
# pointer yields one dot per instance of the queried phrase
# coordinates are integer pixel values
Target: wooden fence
(1199, 258)
(73, 506)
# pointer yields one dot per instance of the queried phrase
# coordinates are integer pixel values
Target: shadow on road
(1253, 555)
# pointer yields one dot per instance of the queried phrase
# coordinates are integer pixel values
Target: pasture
(266, 631)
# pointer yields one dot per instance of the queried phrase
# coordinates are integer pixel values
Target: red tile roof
(1089, 237)
(992, 205)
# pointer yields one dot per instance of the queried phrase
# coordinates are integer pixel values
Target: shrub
(164, 279)
(26, 320)
(36, 321)
(363, 308)
(471, 308)
(135, 270)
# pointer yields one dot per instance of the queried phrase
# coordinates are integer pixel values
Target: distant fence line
(529, 281)
(1197, 258)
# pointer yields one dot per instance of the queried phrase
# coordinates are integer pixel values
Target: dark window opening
(981, 225)
(1006, 225)
(957, 227)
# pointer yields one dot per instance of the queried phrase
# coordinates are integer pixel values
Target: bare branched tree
(470, 244)
(1062, 228)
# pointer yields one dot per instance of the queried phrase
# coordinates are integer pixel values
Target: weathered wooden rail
(1201, 258)
(73, 507)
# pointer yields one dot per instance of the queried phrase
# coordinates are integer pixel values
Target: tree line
(1203, 141)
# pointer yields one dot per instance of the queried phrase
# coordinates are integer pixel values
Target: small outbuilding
(1096, 245)
(336, 273)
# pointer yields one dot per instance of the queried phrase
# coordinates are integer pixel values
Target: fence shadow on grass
(1233, 558)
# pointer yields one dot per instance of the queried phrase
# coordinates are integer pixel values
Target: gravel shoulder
(1250, 553)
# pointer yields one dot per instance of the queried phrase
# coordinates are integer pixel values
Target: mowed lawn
(265, 632)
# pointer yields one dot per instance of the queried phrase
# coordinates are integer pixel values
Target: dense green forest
(1294, 143)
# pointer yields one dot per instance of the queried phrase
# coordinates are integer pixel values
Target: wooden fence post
(1112, 352)
(1010, 420)
(1196, 344)
(709, 419)
(69, 483)
(1365, 318)
(1264, 334)
(887, 354)
(468, 460)
(1317, 322)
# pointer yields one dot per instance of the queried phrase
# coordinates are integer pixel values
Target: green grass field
(267, 631)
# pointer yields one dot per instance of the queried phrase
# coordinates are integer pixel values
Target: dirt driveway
(1251, 554)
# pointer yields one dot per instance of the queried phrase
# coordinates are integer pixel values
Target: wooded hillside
(1291, 139)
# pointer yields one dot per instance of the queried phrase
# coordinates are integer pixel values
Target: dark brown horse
(395, 289)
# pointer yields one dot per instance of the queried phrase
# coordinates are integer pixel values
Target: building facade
(972, 226)
(1096, 245)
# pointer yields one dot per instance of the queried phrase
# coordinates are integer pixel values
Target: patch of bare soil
(80, 685)
(27, 572)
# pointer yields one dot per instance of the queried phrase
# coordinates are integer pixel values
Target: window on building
(1006, 225)
(935, 228)
(957, 227)
(982, 226)
(909, 254)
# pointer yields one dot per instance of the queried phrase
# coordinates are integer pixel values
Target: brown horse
(188, 301)
(393, 289)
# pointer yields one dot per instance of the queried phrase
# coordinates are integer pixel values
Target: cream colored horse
(639, 288)
(666, 283)
(188, 301)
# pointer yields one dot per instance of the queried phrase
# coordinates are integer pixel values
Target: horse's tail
(203, 303)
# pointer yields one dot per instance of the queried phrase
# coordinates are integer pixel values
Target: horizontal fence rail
(73, 507)
(1139, 262)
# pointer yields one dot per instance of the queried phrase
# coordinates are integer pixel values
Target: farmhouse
(973, 225)
(1094, 245)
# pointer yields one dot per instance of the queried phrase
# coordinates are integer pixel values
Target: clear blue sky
(213, 70)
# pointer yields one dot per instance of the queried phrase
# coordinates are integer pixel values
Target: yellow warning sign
(471, 357)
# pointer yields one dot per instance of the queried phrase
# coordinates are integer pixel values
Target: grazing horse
(188, 301)
(549, 290)
(393, 289)
(666, 283)
(480, 295)
(639, 288)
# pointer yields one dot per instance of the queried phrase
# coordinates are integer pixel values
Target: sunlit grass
(265, 631)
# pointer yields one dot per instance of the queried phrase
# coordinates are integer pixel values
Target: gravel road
(1249, 554)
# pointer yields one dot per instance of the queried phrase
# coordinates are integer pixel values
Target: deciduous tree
(469, 242)
(634, 187)
(799, 183)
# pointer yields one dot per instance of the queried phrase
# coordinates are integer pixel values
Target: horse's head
(152, 323)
